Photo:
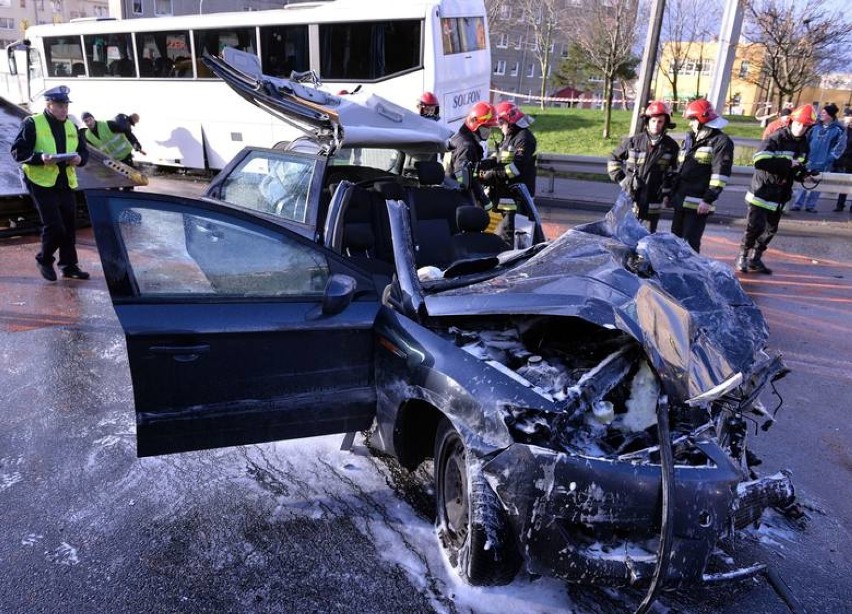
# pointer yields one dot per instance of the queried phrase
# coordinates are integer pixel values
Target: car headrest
(472, 219)
(429, 172)
(391, 190)
(358, 237)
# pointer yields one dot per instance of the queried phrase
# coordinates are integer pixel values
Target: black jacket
(705, 168)
(772, 182)
(465, 153)
(517, 158)
(23, 148)
(644, 170)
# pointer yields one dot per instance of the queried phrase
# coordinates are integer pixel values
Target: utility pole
(732, 24)
(649, 63)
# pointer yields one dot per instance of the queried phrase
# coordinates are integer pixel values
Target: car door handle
(181, 353)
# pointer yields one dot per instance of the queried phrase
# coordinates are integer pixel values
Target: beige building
(749, 93)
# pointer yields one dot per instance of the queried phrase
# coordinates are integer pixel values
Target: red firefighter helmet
(510, 113)
(805, 114)
(428, 105)
(481, 115)
(703, 111)
(658, 107)
(428, 98)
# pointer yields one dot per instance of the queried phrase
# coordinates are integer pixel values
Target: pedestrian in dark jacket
(844, 163)
(705, 160)
(465, 148)
(780, 158)
(644, 164)
(49, 150)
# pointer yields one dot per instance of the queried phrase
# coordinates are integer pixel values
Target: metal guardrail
(559, 165)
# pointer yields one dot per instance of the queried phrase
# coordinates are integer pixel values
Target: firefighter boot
(756, 264)
(742, 261)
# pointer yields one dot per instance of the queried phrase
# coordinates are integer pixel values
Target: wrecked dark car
(585, 401)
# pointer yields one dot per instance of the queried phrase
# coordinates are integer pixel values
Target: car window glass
(277, 183)
(171, 252)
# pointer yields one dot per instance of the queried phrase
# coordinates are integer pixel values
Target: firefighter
(428, 107)
(644, 164)
(705, 161)
(516, 153)
(466, 152)
(781, 158)
(49, 150)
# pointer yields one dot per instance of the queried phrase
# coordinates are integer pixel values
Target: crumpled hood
(689, 312)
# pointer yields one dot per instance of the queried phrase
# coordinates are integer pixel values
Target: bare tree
(687, 24)
(540, 21)
(605, 32)
(799, 42)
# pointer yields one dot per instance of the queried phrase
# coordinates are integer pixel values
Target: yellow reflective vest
(113, 144)
(45, 175)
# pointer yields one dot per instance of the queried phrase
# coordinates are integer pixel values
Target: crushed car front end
(564, 374)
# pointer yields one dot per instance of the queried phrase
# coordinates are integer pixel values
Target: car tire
(470, 520)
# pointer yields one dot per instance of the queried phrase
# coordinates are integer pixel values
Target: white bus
(396, 49)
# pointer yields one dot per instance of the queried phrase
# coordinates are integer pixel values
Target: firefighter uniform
(771, 188)
(460, 162)
(705, 164)
(644, 167)
(516, 156)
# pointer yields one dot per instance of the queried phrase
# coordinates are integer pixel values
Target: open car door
(238, 329)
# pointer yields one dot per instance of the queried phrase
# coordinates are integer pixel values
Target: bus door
(14, 74)
(35, 74)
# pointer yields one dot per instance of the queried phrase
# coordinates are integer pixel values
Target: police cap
(57, 94)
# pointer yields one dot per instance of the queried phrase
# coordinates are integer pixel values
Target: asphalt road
(85, 526)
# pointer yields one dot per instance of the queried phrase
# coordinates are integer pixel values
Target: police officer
(109, 137)
(516, 153)
(782, 155)
(49, 149)
(466, 150)
(706, 159)
(644, 164)
(124, 123)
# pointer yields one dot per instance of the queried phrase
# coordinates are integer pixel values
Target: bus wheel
(471, 523)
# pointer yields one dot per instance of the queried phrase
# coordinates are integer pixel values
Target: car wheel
(472, 525)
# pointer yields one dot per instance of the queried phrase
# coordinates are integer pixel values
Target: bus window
(463, 34)
(110, 55)
(64, 56)
(284, 49)
(164, 55)
(212, 42)
(369, 51)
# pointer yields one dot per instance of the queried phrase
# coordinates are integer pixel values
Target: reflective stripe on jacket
(705, 168)
(45, 175)
(653, 165)
(113, 144)
(772, 182)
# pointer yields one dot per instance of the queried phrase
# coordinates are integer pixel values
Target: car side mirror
(339, 291)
